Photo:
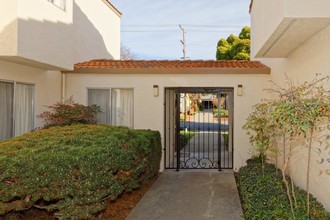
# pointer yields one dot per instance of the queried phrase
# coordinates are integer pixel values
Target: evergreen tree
(235, 48)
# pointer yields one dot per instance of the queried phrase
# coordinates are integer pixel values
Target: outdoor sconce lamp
(156, 90)
(240, 90)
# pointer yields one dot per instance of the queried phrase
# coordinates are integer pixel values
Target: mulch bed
(116, 210)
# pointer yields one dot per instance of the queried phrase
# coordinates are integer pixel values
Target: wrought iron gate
(198, 128)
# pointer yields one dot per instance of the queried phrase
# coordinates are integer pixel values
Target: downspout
(63, 86)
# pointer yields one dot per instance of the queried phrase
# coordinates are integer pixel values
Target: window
(116, 106)
(59, 3)
(16, 109)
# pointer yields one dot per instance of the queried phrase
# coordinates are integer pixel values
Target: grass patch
(188, 134)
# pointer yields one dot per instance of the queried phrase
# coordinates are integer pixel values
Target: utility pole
(183, 41)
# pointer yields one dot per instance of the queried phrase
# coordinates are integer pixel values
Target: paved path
(190, 195)
(203, 121)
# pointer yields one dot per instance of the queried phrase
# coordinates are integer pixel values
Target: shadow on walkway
(190, 195)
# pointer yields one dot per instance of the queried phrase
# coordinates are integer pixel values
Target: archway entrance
(198, 128)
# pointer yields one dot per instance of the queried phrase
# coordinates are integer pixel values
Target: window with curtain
(16, 109)
(100, 97)
(23, 108)
(116, 106)
(6, 110)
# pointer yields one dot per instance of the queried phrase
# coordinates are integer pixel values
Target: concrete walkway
(191, 195)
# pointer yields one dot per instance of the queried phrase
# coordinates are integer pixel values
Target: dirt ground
(116, 210)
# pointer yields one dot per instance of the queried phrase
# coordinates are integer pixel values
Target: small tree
(68, 113)
(297, 112)
(260, 130)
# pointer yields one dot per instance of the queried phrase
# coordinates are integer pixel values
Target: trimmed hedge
(72, 170)
(264, 196)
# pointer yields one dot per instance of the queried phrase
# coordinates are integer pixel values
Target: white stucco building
(293, 38)
(38, 40)
(45, 53)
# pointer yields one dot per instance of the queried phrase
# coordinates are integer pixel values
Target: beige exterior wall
(311, 58)
(8, 28)
(38, 39)
(40, 34)
(302, 64)
(98, 29)
(47, 84)
(272, 13)
(280, 27)
(44, 33)
(306, 8)
(149, 110)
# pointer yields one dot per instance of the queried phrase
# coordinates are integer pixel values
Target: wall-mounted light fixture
(155, 90)
(240, 90)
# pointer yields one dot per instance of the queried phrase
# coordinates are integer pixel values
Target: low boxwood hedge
(264, 196)
(73, 170)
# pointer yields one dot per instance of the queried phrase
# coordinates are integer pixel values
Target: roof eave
(77, 70)
(113, 8)
(250, 8)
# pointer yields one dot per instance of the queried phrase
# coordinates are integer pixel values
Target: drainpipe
(63, 87)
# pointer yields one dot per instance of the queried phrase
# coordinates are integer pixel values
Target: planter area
(263, 195)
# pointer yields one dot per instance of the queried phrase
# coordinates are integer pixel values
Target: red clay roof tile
(168, 64)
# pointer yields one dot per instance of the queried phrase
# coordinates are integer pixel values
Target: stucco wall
(44, 33)
(96, 31)
(149, 110)
(8, 27)
(272, 13)
(47, 84)
(310, 58)
(37, 31)
(279, 27)
(307, 8)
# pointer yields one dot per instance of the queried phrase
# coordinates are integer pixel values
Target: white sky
(151, 28)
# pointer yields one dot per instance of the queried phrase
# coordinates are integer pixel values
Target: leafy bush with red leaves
(68, 113)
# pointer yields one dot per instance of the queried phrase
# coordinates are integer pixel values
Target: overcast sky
(150, 28)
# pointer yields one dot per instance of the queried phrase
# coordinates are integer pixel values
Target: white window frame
(110, 99)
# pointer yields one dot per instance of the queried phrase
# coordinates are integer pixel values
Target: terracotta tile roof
(171, 64)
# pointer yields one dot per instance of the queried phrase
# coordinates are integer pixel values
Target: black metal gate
(198, 128)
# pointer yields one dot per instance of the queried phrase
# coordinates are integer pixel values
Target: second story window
(59, 3)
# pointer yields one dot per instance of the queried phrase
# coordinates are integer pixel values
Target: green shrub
(264, 196)
(223, 113)
(72, 170)
(68, 113)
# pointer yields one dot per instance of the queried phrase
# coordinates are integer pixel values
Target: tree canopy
(235, 47)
